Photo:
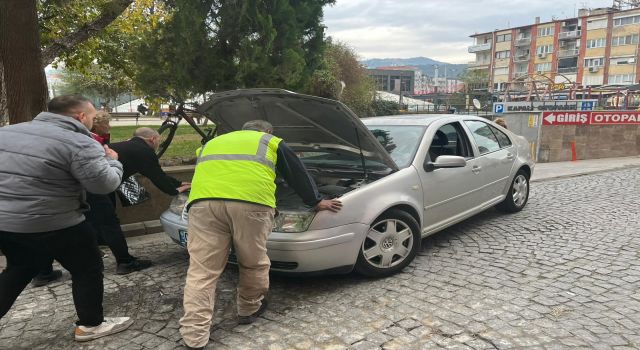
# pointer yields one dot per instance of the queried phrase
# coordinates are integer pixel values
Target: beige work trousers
(213, 226)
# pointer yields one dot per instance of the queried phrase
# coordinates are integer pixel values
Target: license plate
(182, 237)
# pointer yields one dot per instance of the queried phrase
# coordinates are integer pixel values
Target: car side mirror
(445, 162)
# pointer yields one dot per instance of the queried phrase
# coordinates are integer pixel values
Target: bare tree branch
(68, 42)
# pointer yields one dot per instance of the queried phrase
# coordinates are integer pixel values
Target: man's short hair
(65, 104)
(102, 117)
(258, 125)
(145, 133)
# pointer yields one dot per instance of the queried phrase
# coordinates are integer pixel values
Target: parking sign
(498, 108)
(586, 106)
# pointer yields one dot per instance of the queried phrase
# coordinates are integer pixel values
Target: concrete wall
(159, 202)
(524, 124)
(592, 142)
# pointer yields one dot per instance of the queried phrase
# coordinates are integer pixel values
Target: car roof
(415, 119)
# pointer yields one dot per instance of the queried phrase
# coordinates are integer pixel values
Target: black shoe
(252, 318)
(134, 265)
(42, 280)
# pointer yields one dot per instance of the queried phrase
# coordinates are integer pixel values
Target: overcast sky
(437, 29)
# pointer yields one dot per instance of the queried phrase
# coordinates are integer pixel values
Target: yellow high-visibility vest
(240, 165)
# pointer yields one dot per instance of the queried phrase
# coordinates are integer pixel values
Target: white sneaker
(111, 325)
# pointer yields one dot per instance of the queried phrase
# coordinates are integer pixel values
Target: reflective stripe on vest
(260, 157)
(239, 166)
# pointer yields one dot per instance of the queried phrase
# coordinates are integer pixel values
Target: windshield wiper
(364, 165)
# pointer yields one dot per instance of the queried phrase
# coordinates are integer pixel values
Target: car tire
(388, 249)
(518, 194)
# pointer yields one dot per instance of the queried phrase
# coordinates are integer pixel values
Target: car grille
(280, 265)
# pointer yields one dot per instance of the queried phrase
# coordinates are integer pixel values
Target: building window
(594, 62)
(594, 43)
(548, 31)
(503, 54)
(597, 24)
(501, 71)
(503, 37)
(621, 79)
(623, 60)
(543, 67)
(626, 21)
(544, 49)
(624, 40)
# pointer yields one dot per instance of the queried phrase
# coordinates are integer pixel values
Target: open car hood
(305, 123)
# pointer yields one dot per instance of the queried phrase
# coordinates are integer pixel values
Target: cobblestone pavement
(563, 273)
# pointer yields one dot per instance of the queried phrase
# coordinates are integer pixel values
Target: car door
(495, 153)
(450, 194)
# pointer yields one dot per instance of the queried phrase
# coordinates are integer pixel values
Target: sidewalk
(547, 171)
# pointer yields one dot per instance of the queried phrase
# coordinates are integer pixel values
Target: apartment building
(599, 47)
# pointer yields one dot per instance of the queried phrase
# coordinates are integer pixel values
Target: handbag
(131, 192)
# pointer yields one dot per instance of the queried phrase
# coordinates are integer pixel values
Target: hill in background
(425, 64)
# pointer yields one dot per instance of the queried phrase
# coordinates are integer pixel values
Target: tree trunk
(4, 113)
(24, 78)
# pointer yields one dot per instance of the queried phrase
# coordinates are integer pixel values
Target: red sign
(615, 117)
(565, 118)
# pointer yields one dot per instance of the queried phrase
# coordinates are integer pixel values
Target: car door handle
(476, 169)
(510, 156)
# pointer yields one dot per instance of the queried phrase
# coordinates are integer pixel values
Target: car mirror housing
(445, 162)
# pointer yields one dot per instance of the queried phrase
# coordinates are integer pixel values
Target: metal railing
(478, 63)
(568, 70)
(521, 58)
(480, 47)
(568, 53)
(569, 35)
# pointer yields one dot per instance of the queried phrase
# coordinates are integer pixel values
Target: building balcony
(569, 53)
(480, 47)
(567, 70)
(517, 75)
(521, 58)
(569, 35)
(478, 64)
(523, 42)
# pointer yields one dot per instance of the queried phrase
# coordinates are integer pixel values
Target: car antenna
(364, 166)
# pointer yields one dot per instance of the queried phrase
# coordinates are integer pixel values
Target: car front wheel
(518, 194)
(392, 242)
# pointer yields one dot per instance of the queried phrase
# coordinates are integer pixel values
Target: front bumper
(331, 249)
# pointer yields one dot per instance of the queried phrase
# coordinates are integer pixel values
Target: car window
(503, 139)
(449, 140)
(485, 139)
(400, 141)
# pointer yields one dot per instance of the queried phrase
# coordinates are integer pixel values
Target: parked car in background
(400, 178)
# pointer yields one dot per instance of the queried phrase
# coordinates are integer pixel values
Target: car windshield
(400, 141)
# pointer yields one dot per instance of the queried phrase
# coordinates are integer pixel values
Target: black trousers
(106, 223)
(75, 248)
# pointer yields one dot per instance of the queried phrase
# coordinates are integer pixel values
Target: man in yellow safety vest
(232, 200)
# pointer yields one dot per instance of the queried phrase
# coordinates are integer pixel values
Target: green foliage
(341, 65)
(382, 107)
(214, 45)
(98, 82)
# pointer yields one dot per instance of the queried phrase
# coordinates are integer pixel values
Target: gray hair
(145, 133)
(258, 125)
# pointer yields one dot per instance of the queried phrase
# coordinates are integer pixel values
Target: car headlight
(288, 221)
(179, 203)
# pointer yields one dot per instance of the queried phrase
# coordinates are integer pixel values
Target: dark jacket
(45, 166)
(138, 158)
(291, 168)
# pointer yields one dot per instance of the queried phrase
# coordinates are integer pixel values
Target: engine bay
(330, 183)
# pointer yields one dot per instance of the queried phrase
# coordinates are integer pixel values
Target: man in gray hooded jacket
(45, 167)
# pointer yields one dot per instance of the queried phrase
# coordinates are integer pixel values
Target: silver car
(400, 178)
